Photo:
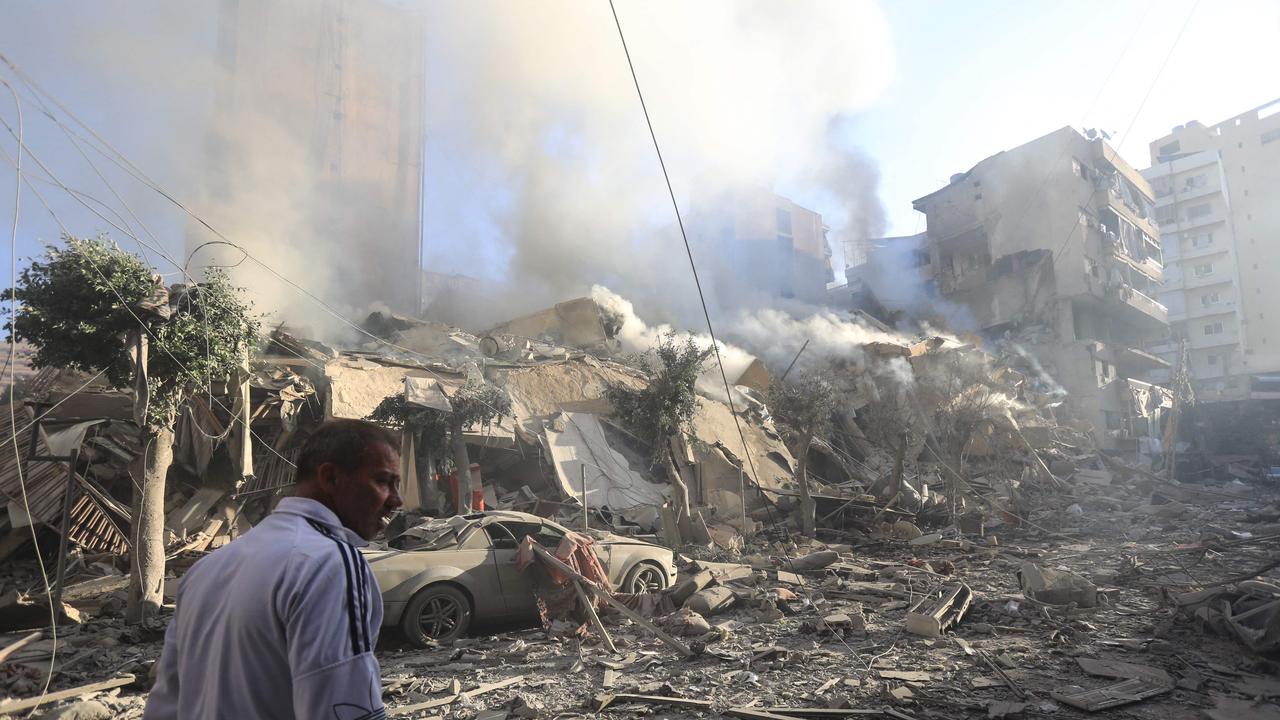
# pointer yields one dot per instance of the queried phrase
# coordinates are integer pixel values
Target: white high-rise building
(1218, 205)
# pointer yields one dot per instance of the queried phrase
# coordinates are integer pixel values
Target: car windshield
(432, 534)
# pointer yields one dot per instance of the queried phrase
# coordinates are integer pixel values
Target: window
(1213, 328)
(1077, 168)
(1166, 214)
(1196, 211)
(1194, 181)
(1203, 270)
(1208, 299)
(1202, 240)
(1270, 136)
(784, 221)
(1211, 359)
(509, 535)
(1170, 148)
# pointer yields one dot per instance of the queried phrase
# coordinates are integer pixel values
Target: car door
(517, 585)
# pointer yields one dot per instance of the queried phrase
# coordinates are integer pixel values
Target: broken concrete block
(844, 623)
(686, 622)
(1093, 477)
(690, 585)
(929, 539)
(712, 600)
(904, 530)
(1056, 587)
(83, 710)
(934, 615)
(813, 561)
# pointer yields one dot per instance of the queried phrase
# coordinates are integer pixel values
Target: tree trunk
(684, 512)
(462, 464)
(808, 509)
(146, 572)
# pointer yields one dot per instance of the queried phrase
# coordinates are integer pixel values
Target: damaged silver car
(439, 578)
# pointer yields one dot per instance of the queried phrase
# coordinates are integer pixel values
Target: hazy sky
(964, 80)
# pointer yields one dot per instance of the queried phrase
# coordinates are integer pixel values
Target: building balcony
(1217, 277)
(1184, 195)
(1129, 360)
(1200, 310)
(1199, 341)
(1204, 251)
(1126, 303)
(1190, 223)
(1122, 208)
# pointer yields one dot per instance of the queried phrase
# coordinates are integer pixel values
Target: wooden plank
(15, 647)
(799, 712)
(608, 700)
(440, 702)
(600, 593)
(1109, 696)
(590, 608)
(21, 705)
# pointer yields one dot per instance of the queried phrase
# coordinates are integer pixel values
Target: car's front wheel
(644, 578)
(438, 612)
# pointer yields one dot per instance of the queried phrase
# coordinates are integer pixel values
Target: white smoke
(539, 98)
(768, 334)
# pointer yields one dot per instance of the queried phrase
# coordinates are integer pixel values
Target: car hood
(613, 539)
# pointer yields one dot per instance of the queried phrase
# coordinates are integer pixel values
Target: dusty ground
(1137, 545)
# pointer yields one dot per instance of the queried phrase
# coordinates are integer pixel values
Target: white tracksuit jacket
(280, 623)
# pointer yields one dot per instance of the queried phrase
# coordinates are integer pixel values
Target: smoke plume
(295, 127)
(742, 95)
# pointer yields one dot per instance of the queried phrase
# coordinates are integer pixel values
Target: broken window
(1203, 270)
(1170, 148)
(509, 535)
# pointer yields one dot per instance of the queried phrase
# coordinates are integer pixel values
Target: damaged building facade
(1053, 246)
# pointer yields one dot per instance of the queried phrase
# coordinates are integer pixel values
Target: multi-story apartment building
(1054, 244)
(1218, 204)
(767, 241)
(322, 103)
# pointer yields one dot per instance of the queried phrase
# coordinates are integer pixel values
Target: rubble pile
(975, 553)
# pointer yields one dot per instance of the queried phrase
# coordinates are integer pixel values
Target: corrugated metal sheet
(45, 483)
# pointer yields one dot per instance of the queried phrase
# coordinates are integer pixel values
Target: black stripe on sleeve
(358, 570)
(351, 595)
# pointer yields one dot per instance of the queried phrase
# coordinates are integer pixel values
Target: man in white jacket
(281, 623)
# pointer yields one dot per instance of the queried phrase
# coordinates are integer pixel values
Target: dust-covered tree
(805, 407)
(91, 306)
(477, 403)
(664, 409)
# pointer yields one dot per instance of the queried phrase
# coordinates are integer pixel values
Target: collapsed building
(920, 418)
(1053, 246)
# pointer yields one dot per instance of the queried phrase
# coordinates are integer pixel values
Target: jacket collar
(313, 510)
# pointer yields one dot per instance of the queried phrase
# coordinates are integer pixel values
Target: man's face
(363, 499)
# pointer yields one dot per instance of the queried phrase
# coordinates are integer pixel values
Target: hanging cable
(13, 356)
